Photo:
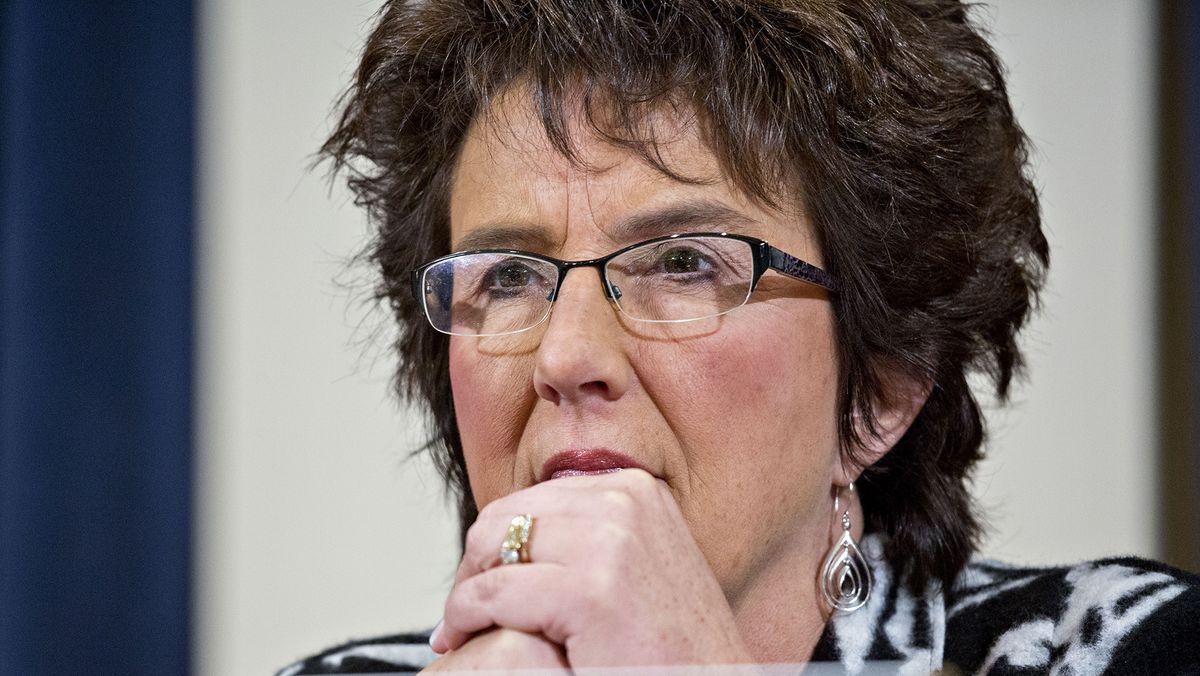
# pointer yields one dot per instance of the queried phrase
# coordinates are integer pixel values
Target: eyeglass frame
(764, 256)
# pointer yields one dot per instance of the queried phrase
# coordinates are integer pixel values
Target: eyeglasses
(677, 278)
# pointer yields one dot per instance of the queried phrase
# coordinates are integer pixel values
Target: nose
(581, 355)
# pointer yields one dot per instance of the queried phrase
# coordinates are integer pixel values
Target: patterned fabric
(1113, 616)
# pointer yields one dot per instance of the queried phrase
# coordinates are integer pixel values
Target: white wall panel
(1072, 472)
(312, 529)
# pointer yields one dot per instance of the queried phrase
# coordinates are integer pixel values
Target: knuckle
(515, 646)
(473, 536)
(641, 485)
(478, 547)
(642, 480)
(487, 585)
(620, 547)
(597, 598)
(487, 513)
(544, 652)
(617, 538)
(468, 598)
(455, 604)
(619, 504)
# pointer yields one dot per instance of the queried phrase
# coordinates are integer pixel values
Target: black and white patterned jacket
(1112, 616)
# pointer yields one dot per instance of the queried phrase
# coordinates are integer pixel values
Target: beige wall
(1072, 467)
(313, 529)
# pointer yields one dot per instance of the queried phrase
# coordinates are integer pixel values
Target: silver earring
(845, 575)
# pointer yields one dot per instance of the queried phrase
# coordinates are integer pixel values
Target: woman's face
(737, 414)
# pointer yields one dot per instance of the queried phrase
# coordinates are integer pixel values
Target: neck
(779, 614)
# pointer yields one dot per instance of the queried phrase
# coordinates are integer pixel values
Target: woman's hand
(615, 577)
(503, 649)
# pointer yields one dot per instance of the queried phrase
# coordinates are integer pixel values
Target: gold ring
(516, 543)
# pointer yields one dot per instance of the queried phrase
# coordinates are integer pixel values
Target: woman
(691, 292)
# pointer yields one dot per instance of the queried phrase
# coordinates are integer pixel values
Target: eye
(512, 274)
(684, 260)
(512, 278)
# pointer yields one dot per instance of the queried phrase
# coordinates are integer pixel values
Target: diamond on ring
(516, 543)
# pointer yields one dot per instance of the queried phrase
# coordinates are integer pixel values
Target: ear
(903, 397)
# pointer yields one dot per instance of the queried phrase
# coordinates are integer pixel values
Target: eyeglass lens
(672, 280)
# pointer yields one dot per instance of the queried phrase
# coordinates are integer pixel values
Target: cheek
(491, 395)
(755, 410)
(757, 422)
(773, 382)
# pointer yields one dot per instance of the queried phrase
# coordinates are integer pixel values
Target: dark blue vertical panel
(95, 336)
(1190, 56)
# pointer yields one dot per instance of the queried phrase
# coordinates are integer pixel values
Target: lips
(585, 462)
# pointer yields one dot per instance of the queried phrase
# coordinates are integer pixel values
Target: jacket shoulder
(1116, 615)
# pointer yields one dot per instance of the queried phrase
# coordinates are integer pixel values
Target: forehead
(511, 180)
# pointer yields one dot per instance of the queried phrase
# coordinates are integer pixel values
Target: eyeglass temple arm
(790, 265)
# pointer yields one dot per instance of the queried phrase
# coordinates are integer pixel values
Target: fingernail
(433, 636)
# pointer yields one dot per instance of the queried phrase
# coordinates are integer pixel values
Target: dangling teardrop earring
(846, 575)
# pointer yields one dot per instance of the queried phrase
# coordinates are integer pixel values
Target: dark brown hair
(889, 119)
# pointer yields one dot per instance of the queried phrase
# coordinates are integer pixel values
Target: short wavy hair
(890, 122)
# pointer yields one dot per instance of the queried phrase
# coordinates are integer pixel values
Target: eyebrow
(502, 236)
(689, 215)
(686, 216)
